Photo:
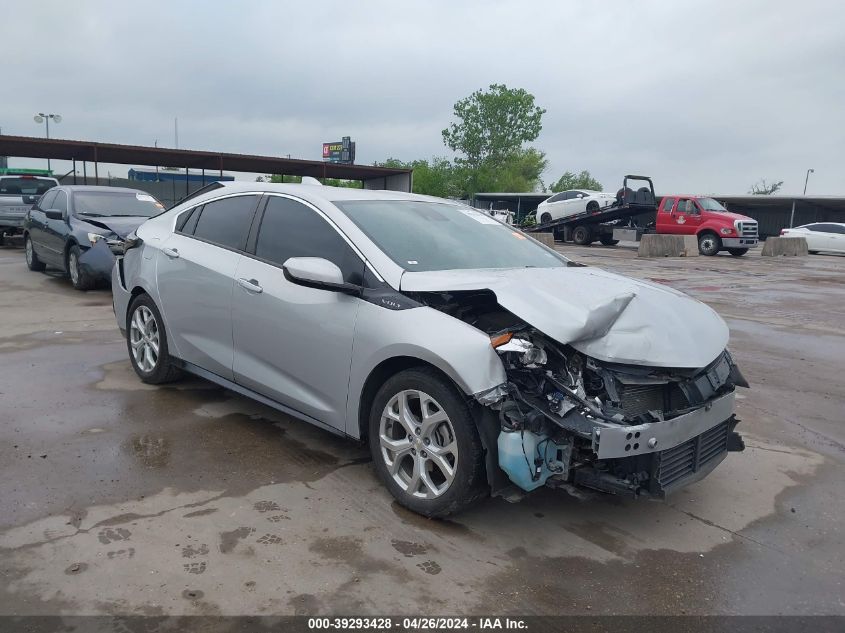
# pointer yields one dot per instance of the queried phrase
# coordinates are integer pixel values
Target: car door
(576, 202)
(37, 221)
(681, 218)
(293, 344)
(195, 270)
(56, 231)
(837, 237)
(826, 237)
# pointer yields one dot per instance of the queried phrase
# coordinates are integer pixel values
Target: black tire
(592, 206)
(469, 481)
(582, 235)
(608, 240)
(546, 217)
(80, 279)
(737, 252)
(32, 261)
(163, 370)
(813, 252)
(709, 244)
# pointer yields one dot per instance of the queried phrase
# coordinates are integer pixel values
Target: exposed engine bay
(619, 428)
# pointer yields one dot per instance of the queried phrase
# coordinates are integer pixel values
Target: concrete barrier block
(791, 246)
(545, 238)
(653, 245)
(690, 246)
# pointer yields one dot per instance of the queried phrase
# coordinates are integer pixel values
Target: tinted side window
(60, 203)
(226, 222)
(668, 203)
(188, 217)
(836, 228)
(46, 200)
(290, 229)
(556, 198)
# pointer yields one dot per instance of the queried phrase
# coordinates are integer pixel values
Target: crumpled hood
(120, 226)
(603, 315)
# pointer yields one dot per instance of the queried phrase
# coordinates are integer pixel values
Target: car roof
(102, 188)
(314, 193)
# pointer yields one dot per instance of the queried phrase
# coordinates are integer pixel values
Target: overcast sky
(706, 97)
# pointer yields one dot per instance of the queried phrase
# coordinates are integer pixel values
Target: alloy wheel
(28, 248)
(73, 267)
(144, 338)
(418, 444)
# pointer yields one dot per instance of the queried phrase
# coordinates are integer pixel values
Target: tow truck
(604, 225)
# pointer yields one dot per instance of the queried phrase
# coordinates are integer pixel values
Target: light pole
(45, 119)
(809, 171)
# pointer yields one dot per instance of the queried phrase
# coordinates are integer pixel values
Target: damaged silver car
(471, 358)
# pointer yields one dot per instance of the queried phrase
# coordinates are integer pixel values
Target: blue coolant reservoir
(517, 452)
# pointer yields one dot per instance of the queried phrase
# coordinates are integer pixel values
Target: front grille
(676, 463)
(637, 399)
(747, 229)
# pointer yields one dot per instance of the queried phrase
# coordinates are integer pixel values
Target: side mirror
(580, 195)
(54, 214)
(316, 272)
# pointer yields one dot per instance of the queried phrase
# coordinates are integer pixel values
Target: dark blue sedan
(79, 228)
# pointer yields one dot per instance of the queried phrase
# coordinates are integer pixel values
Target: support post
(74, 169)
(792, 215)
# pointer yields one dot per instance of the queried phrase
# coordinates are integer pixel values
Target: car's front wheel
(32, 261)
(425, 443)
(146, 341)
(80, 279)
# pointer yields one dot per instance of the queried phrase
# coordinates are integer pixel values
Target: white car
(820, 236)
(566, 203)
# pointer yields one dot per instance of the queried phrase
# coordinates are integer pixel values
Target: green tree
(571, 181)
(435, 177)
(493, 125)
(520, 171)
(762, 188)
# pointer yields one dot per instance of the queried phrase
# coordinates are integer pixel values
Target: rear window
(12, 186)
(115, 204)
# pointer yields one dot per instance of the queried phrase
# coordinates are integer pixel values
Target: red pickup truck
(717, 228)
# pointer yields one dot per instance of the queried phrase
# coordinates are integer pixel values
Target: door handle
(172, 253)
(251, 285)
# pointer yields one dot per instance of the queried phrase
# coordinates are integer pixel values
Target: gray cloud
(704, 96)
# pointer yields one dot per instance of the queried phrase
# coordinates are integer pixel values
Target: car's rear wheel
(80, 279)
(546, 217)
(32, 261)
(146, 341)
(737, 252)
(709, 244)
(582, 235)
(425, 443)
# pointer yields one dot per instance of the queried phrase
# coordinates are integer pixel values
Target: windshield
(424, 236)
(25, 186)
(709, 204)
(115, 204)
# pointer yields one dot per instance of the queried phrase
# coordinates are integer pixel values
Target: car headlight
(94, 237)
(727, 231)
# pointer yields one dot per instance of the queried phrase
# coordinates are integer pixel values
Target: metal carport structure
(86, 152)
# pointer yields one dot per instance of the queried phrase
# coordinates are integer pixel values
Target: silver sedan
(471, 358)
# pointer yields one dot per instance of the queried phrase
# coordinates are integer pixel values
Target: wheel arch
(485, 419)
(380, 374)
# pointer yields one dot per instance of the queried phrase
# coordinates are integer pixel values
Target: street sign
(339, 151)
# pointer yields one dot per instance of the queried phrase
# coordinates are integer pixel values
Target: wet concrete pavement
(121, 498)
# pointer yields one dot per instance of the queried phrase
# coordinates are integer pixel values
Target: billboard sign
(339, 151)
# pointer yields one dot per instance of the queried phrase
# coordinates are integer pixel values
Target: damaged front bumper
(622, 430)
